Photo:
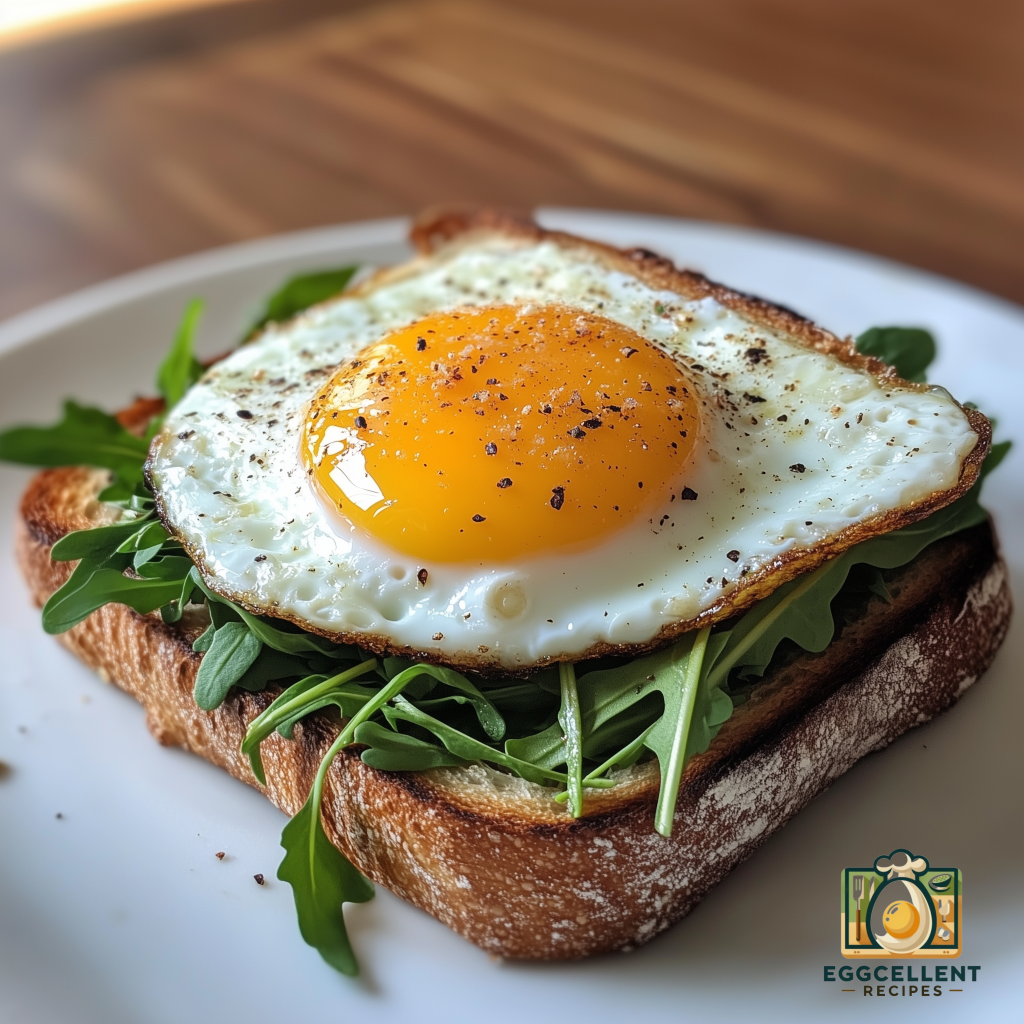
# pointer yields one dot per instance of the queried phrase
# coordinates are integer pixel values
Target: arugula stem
(570, 720)
(285, 711)
(593, 778)
(344, 739)
(672, 772)
(721, 671)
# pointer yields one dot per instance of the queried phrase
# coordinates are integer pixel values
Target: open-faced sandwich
(539, 581)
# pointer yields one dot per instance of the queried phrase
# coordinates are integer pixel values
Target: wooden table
(895, 127)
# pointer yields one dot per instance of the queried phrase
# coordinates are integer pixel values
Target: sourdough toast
(493, 856)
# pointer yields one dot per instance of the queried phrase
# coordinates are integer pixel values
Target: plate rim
(29, 325)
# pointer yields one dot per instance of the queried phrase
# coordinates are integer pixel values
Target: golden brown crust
(494, 857)
(437, 230)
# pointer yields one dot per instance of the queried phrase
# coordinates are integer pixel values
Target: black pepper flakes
(557, 497)
(260, 880)
(220, 855)
(783, 418)
(733, 556)
(798, 467)
(360, 422)
(504, 482)
(754, 398)
(592, 424)
(244, 414)
(260, 558)
(422, 577)
(421, 344)
(479, 518)
(578, 432)
(491, 448)
(689, 494)
(185, 435)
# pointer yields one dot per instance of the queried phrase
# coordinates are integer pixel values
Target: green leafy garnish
(572, 728)
(299, 293)
(302, 699)
(670, 736)
(909, 349)
(180, 368)
(230, 654)
(566, 728)
(83, 437)
(396, 752)
(322, 880)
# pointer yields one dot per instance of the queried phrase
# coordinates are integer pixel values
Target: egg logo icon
(901, 919)
(900, 915)
(902, 907)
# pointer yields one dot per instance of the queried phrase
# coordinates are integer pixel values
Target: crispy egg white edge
(235, 489)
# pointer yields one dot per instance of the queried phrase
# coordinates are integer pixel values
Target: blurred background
(147, 129)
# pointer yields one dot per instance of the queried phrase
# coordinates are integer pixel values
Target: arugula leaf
(692, 712)
(171, 612)
(233, 650)
(299, 293)
(322, 879)
(470, 749)
(301, 699)
(180, 368)
(669, 739)
(288, 642)
(269, 667)
(801, 609)
(100, 540)
(396, 752)
(168, 567)
(105, 586)
(465, 746)
(628, 755)
(909, 349)
(546, 748)
(487, 714)
(84, 437)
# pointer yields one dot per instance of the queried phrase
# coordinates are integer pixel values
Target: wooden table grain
(894, 127)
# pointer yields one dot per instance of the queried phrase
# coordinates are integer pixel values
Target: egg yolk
(501, 432)
(901, 919)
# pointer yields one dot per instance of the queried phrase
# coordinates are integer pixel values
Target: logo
(901, 907)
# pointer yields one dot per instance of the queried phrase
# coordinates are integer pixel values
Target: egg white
(235, 490)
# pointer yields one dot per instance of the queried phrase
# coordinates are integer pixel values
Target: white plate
(119, 911)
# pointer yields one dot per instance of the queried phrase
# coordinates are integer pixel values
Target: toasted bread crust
(449, 229)
(495, 858)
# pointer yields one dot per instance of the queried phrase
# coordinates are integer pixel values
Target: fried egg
(521, 449)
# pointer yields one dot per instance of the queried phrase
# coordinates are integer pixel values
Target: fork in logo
(858, 895)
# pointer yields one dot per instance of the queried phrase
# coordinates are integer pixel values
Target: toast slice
(493, 856)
